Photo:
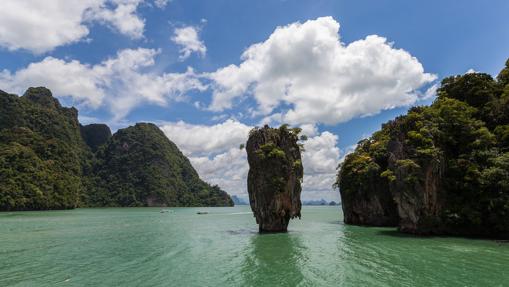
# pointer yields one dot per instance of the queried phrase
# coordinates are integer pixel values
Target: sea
(222, 247)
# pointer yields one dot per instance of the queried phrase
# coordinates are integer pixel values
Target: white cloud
(188, 39)
(161, 3)
(305, 66)
(430, 92)
(122, 18)
(309, 130)
(228, 170)
(40, 26)
(214, 152)
(321, 155)
(119, 82)
(202, 139)
(320, 160)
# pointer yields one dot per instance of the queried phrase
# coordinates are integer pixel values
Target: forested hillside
(49, 161)
(440, 169)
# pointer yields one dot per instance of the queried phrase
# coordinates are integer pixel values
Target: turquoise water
(143, 247)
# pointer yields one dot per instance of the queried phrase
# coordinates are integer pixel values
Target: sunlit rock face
(275, 176)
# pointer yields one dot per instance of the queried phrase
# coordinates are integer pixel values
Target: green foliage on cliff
(463, 138)
(95, 135)
(47, 161)
(271, 153)
(140, 166)
(41, 152)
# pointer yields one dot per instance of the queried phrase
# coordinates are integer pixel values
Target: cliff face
(365, 194)
(41, 152)
(275, 175)
(140, 166)
(95, 135)
(415, 182)
(444, 167)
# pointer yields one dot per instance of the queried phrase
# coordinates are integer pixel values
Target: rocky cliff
(443, 168)
(275, 176)
(365, 195)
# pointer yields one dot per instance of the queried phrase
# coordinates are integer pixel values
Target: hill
(440, 169)
(49, 161)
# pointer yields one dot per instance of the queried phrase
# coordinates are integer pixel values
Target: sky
(206, 72)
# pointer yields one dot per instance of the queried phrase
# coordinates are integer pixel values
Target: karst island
(275, 176)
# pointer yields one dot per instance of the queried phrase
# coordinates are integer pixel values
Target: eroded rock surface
(275, 176)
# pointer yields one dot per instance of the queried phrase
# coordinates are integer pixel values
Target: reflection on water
(273, 260)
(381, 256)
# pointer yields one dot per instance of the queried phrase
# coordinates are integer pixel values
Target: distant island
(239, 201)
(48, 160)
(319, 202)
(440, 169)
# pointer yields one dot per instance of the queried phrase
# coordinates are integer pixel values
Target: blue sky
(100, 54)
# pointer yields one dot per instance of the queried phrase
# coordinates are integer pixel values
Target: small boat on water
(202, 212)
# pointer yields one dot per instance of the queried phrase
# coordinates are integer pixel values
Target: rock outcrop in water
(275, 176)
(441, 169)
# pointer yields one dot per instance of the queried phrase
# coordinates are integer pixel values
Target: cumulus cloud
(188, 39)
(119, 82)
(122, 18)
(307, 67)
(214, 152)
(203, 139)
(228, 170)
(40, 26)
(320, 160)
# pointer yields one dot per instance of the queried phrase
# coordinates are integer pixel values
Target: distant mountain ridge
(239, 201)
(49, 161)
(319, 202)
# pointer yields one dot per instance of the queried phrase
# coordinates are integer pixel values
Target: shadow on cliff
(273, 259)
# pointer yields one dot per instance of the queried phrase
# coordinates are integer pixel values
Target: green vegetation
(95, 135)
(41, 152)
(272, 156)
(456, 148)
(140, 166)
(49, 161)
